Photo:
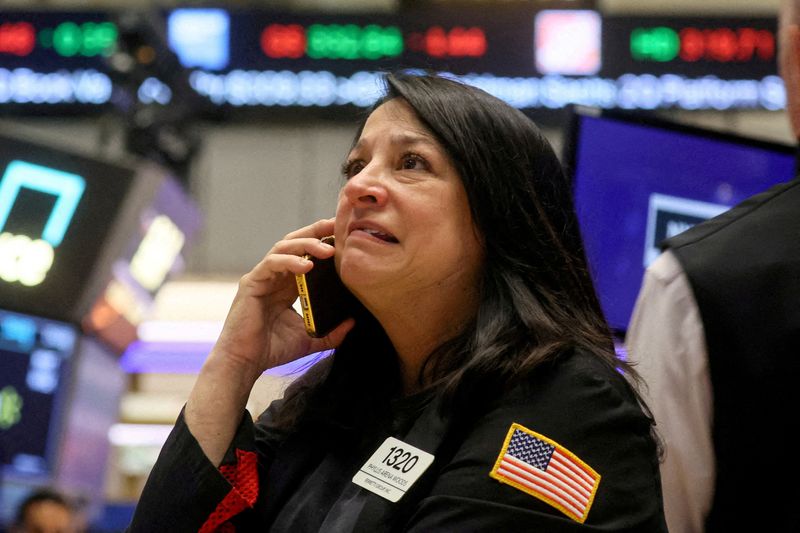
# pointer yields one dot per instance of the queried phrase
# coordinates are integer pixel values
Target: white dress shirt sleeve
(667, 343)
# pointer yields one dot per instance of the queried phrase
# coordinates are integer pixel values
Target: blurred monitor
(35, 358)
(88, 241)
(639, 180)
(56, 219)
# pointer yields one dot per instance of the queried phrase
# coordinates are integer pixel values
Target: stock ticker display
(264, 59)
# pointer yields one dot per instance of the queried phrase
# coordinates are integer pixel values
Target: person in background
(715, 334)
(45, 511)
(476, 387)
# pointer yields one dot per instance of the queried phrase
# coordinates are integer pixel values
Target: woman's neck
(417, 323)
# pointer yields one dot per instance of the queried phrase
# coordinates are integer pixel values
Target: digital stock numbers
(67, 39)
(87, 39)
(370, 42)
(245, 58)
(721, 45)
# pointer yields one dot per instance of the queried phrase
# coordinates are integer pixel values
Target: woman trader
(476, 389)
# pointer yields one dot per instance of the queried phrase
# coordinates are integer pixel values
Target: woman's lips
(373, 231)
(380, 235)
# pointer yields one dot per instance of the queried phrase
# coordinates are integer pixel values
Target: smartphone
(324, 299)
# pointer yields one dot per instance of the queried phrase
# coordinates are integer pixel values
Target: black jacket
(305, 478)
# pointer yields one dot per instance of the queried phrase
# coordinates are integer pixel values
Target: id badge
(393, 469)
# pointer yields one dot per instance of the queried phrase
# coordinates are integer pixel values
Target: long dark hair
(537, 299)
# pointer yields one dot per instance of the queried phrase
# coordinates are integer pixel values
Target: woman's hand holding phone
(261, 331)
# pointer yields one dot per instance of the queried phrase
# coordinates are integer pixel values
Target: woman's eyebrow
(404, 139)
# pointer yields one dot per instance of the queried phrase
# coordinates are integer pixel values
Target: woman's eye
(351, 168)
(413, 162)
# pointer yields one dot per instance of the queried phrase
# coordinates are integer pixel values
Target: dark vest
(744, 269)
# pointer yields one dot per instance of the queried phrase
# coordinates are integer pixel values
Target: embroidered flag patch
(542, 468)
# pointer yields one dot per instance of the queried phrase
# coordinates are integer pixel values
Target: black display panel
(724, 47)
(56, 210)
(256, 58)
(35, 358)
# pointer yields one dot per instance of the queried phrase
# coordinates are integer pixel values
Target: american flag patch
(542, 468)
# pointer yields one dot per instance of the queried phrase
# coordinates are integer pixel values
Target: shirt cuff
(186, 492)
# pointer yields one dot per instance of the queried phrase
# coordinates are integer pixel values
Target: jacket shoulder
(576, 406)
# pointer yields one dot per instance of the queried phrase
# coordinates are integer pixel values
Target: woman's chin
(362, 280)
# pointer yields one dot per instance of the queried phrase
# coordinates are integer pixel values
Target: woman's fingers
(288, 257)
(302, 246)
(261, 326)
(279, 264)
(319, 229)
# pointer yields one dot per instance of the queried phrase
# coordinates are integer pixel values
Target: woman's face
(403, 222)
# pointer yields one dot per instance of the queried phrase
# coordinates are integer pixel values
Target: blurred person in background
(46, 511)
(716, 336)
(479, 345)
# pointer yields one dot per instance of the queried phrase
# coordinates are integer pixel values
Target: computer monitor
(638, 180)
(35, 360)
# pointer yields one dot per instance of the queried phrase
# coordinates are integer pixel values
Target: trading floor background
(224, 154)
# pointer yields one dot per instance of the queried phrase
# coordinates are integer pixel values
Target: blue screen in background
(636, 184)
(34, 357)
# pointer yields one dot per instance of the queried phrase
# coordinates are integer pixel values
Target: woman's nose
(367, 188)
